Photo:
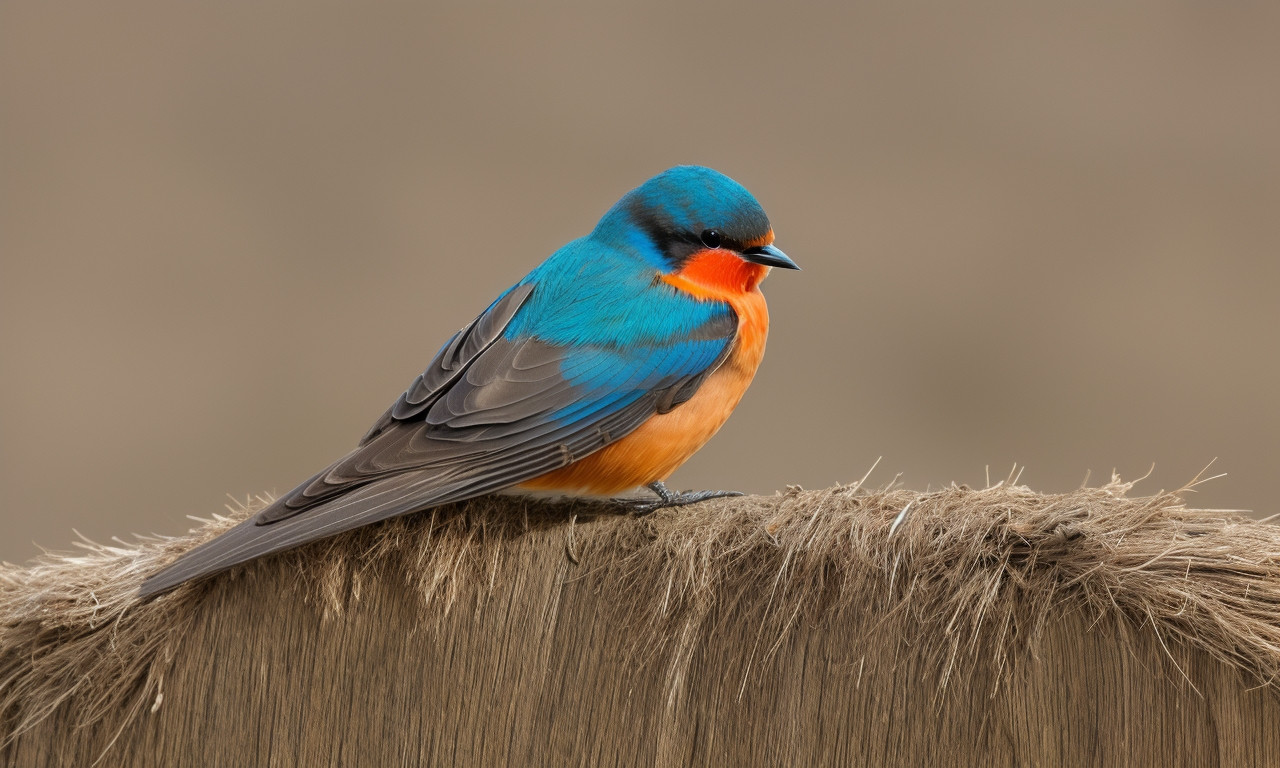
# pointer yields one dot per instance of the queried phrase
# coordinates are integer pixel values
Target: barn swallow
(601, 371)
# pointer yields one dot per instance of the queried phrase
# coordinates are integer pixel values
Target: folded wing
(488, 413)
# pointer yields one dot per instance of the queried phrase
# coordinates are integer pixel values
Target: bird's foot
(670, 498)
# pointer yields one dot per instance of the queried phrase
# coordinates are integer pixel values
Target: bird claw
(669, 498)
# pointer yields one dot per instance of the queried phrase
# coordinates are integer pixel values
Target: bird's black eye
(711, 238)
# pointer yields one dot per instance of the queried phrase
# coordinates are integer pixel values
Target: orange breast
(660, 445)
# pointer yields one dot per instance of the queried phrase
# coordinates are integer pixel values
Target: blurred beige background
(232, 233)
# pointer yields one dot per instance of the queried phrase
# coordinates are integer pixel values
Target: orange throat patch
(717, 274)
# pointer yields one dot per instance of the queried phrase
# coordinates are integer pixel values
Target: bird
(599, 373)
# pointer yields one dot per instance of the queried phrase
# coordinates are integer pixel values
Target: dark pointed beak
(769, 256)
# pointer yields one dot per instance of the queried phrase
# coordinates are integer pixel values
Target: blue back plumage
(624, 331)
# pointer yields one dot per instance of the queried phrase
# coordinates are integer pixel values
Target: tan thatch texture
(994, 626)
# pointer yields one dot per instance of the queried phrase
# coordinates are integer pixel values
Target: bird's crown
(670, 216)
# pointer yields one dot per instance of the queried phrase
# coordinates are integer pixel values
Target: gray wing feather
(475, 421)
(390, 496)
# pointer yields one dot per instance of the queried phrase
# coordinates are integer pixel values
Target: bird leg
(670, 498)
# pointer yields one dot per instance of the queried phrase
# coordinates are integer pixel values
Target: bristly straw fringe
(970, 570)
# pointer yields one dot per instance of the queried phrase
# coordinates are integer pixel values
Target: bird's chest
(666, 440)
(753, 330)
(685, 429)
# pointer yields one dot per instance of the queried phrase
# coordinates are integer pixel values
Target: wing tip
(167, 579)
(178, 572)
(205, 559)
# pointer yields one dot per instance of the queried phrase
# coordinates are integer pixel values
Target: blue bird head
(688, 209)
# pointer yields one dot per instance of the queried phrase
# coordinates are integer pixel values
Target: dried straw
(969, 571)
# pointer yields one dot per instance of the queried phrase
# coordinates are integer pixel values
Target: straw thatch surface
(894, 627)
